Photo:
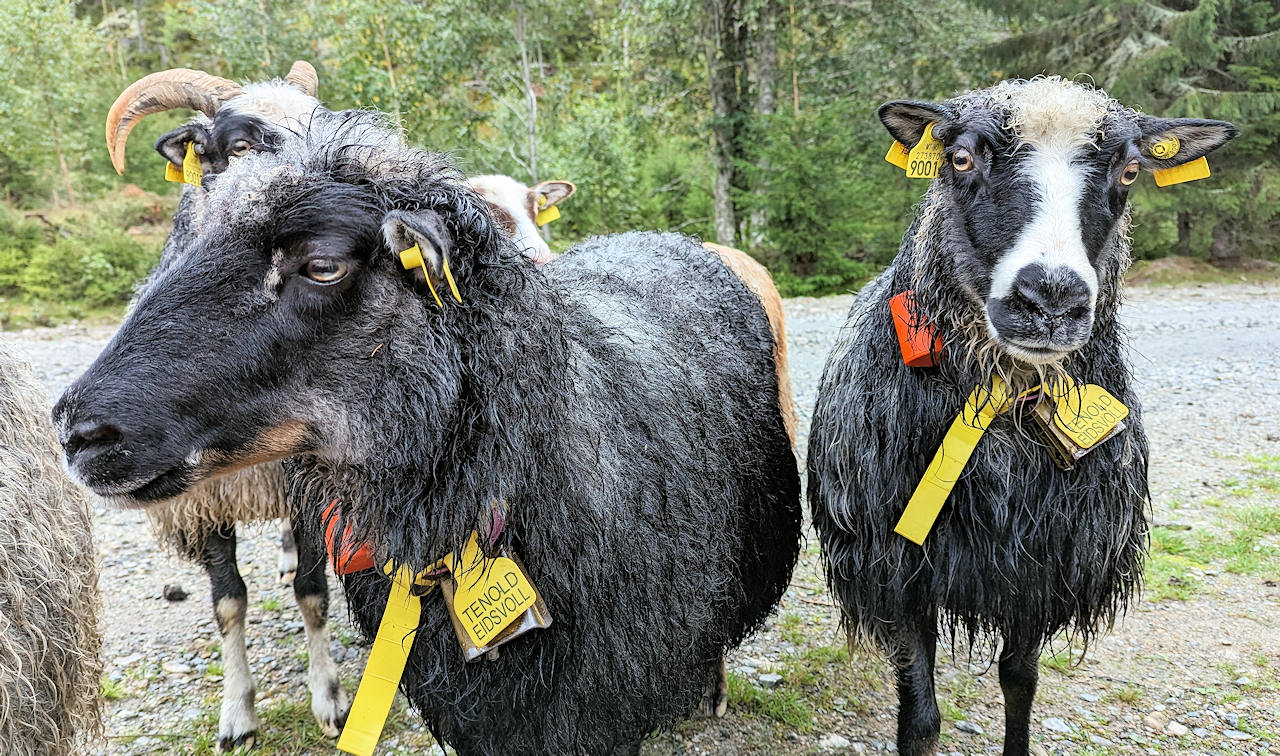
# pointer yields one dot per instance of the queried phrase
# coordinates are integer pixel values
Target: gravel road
(1199, 674)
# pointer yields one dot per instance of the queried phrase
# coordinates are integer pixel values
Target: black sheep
(622, 403)
(1016, 260)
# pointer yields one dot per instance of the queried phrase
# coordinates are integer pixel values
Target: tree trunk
(724, 55)
(1222, 251)
(391, 71)
(766, 58)
(57, 148)
(795, 77)
(1184, 234)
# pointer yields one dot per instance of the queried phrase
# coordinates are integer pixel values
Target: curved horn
(163, 90)
(303, 76)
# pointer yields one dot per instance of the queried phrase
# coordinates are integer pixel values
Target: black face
(1034, 189)
(209, 372)
(233, 135)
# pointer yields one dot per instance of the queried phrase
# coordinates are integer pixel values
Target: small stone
(1200, 732)
(833, 742)
(1155, 721)
(968, 727)
(1058, 725)
(1176, 729)
(128, 661)
(1228, 642)
(174, 592)
(1241, 681)
(769, 680)
(1237, 735)
(1231, 719)
(1090, 697)
(176, 668)
(1098, 740)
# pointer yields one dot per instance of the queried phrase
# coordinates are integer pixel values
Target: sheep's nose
(90, 437)
(1052, 295)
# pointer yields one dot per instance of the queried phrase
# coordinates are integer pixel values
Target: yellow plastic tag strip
(191, 172)
(412, 258)
(943, 472)
(387, 659)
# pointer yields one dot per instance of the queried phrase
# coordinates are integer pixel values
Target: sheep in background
(50, 644)
(1016, 259)
(200, 524)
(621, 402)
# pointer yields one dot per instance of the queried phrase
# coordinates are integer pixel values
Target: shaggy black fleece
(652, 498)
(1021, 549)
(621, 401)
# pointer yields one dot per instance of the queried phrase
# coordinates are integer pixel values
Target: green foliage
(614, 96)
(85, 257)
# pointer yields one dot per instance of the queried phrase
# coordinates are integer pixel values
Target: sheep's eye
(240, 147)
(326, 271)
(1130, 174)
(962, 160)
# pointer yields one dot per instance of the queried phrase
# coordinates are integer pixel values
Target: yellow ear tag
(412, 258)
(1086, 414)
(1180, 174)
(490, 593)
(898, 155)
(547, 214)
(448, 276)
(925, 159)
(949, 461)
(386, 664)
(191, 172)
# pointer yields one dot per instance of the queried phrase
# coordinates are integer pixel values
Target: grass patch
(112, 690)
(1168, 577)
(791, 628)
(1127, 694)
(269, 604)
(782, 705)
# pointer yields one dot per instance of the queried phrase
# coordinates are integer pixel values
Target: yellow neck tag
(1180, 174)
(949, 461)
(1085, 414)
(382, 673)
(925, 159)
(490, 594)
(546, 215)
(191, 172)
(898, 155)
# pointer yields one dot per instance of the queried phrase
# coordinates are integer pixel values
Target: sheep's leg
(1019, 674)
(329, 702)
(287, 563)
(238, 722)
(715, 697)
(918, 720)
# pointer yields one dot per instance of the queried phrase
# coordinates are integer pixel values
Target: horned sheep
(619, 407)
(50, 643)
(1016, 261)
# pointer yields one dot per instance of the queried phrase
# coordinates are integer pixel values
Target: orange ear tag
(917, 339)
(346, 556)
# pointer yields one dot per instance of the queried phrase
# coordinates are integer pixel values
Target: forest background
(748, 122)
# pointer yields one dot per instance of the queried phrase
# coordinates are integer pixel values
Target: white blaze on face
(517, 200)
(1055, 120)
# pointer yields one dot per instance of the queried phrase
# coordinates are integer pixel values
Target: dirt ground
(1193, 668)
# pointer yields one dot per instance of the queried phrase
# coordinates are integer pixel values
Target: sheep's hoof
(287, 578)
(247, 741)
(331, 713)
(715, 697)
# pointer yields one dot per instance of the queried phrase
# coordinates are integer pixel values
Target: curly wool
(622, 401)
(49, 637)
(1022, 549)
(255, 494)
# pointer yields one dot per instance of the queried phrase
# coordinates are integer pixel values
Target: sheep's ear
(906, 119)
(174, 144)
(1169, 142)
(553, 192)
(426, 230)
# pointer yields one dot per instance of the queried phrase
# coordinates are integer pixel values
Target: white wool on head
(278, 102)
(1051, 113)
